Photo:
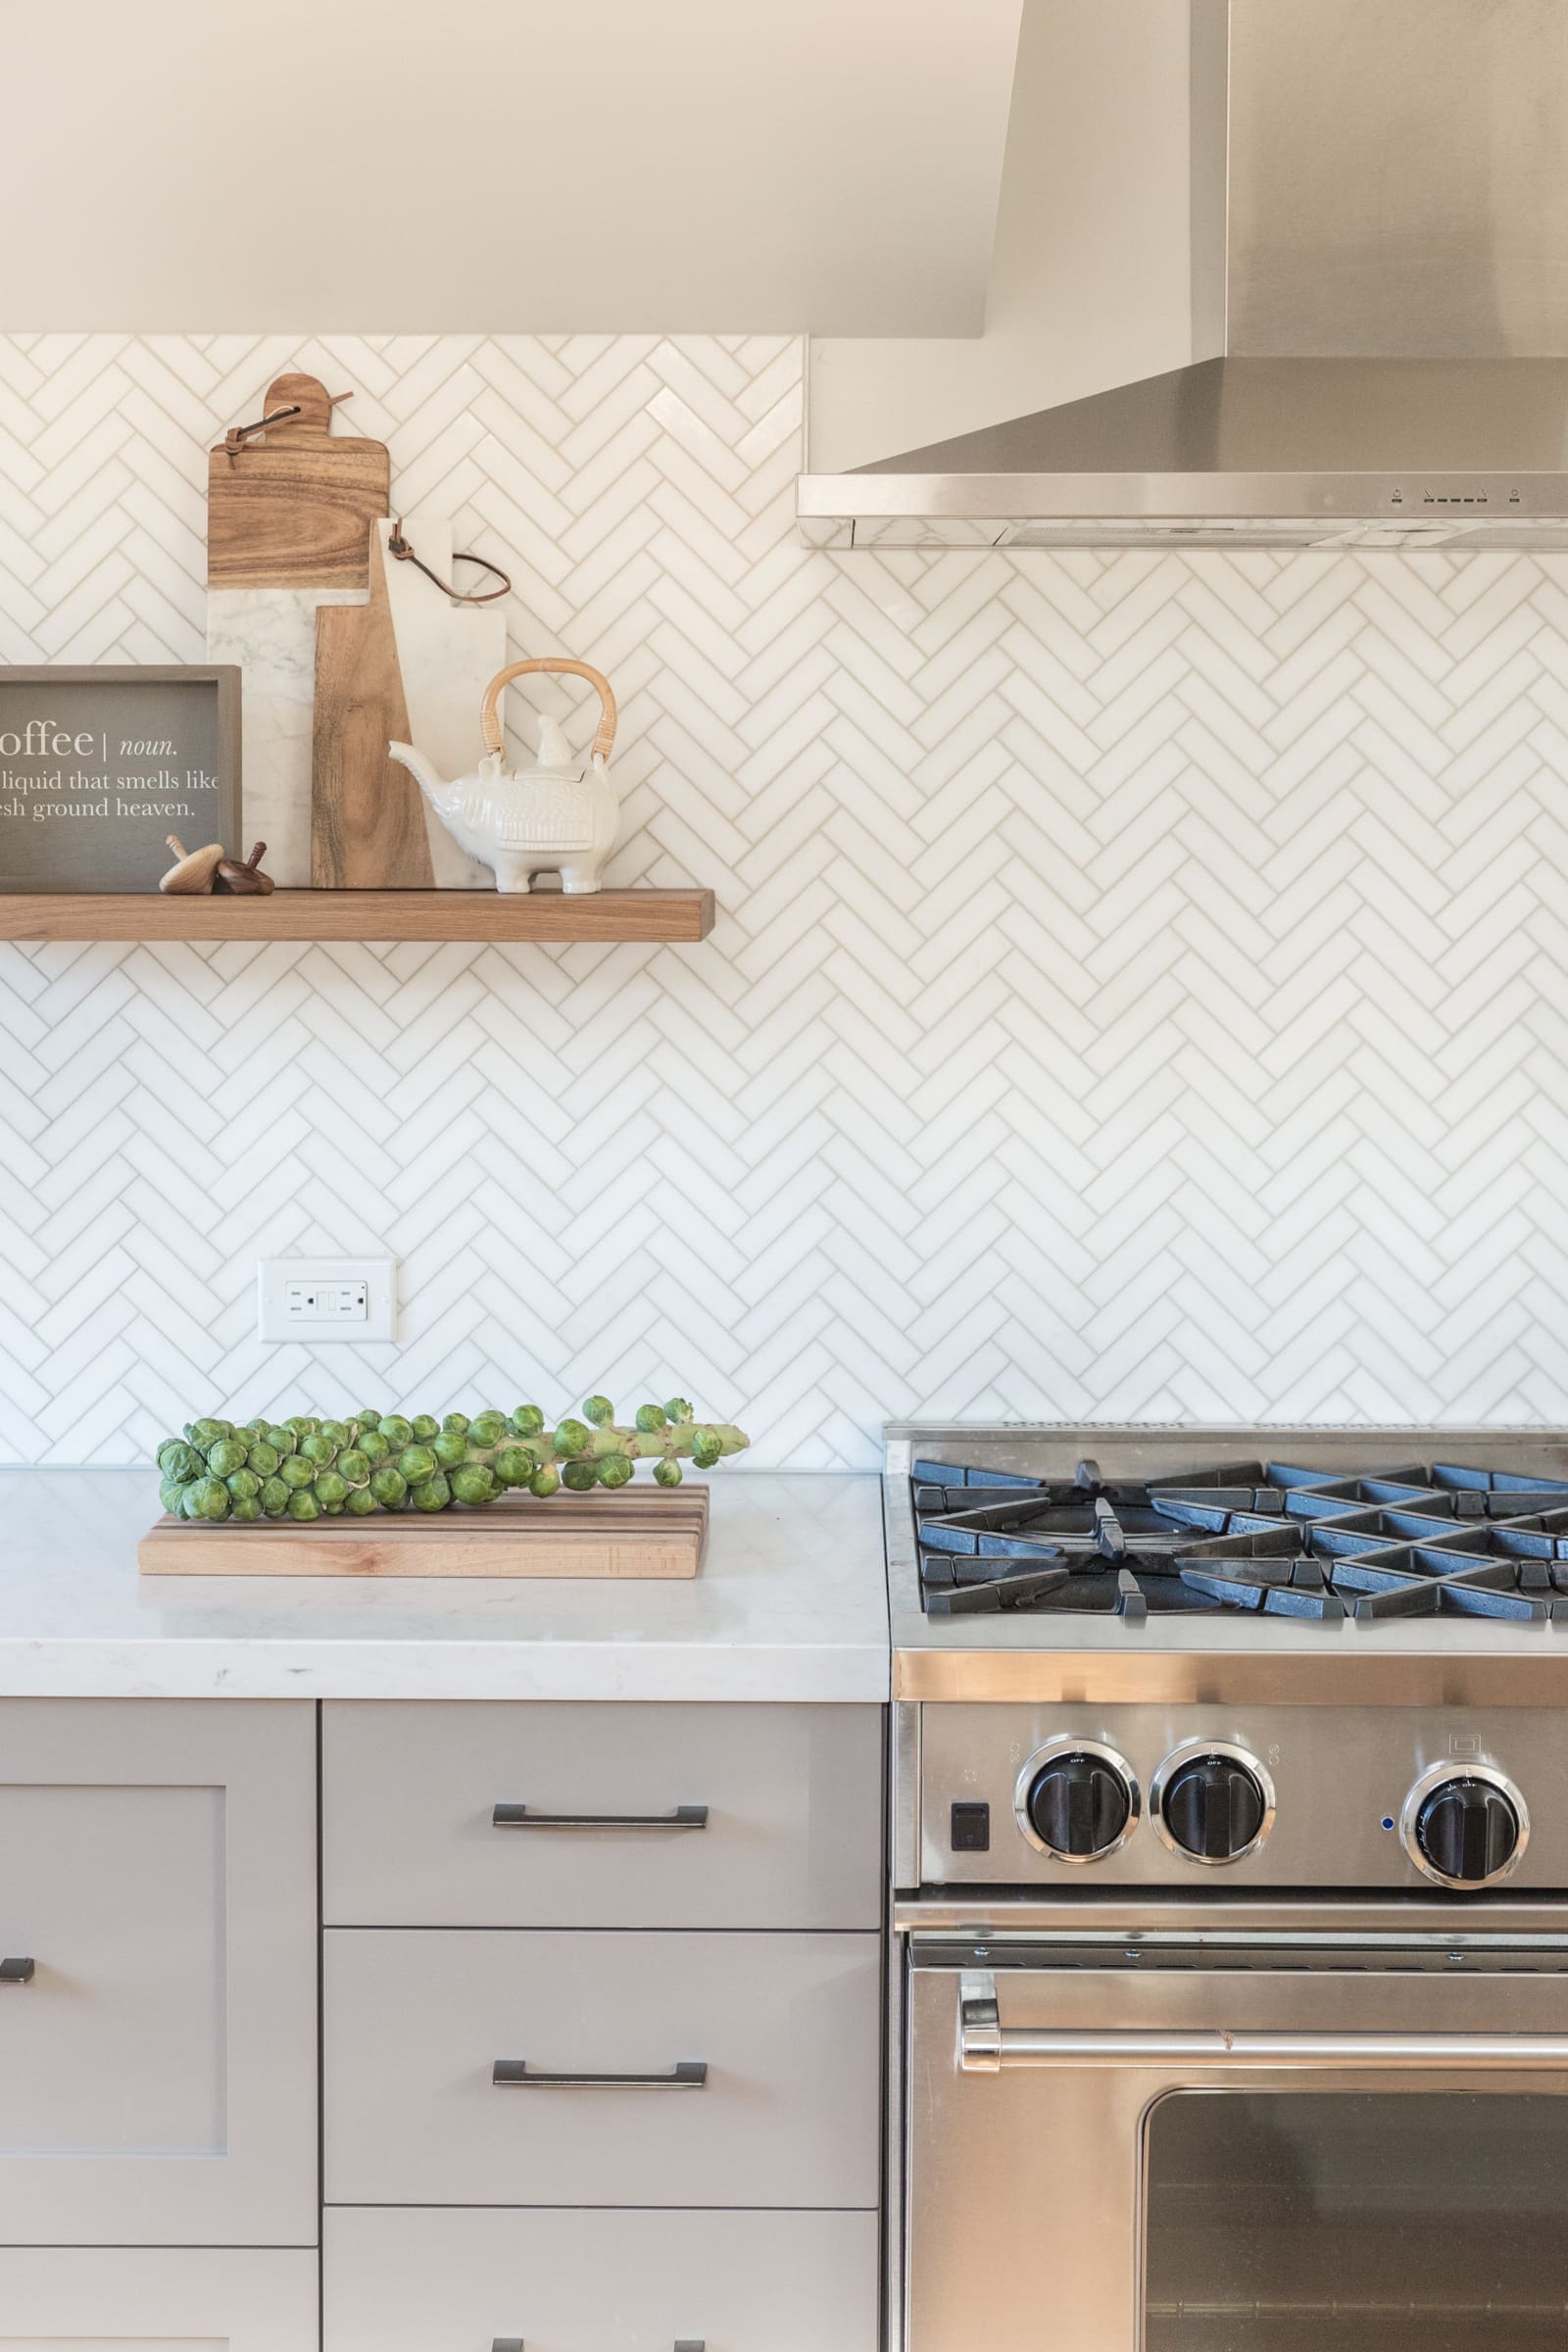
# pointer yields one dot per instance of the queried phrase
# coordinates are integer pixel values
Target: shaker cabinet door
(156, 1972)
(142, 2299)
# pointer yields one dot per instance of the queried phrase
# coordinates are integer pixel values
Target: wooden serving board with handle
(621, 1536)
(367, 828)
(294, 509)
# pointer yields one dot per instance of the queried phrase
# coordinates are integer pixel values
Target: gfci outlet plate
(323, 1298)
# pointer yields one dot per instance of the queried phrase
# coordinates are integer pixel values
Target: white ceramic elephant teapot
(555, 816)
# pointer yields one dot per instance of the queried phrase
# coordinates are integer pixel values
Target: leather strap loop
(403, 548)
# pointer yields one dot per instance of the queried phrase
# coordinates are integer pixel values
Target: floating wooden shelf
(679, 916)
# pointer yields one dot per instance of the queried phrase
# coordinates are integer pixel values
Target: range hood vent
(1393, 220)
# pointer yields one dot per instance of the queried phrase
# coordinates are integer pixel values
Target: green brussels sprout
(302, 1425)
(571, 1439)
(652, 1416)
(263, 1458)
(487, 1429)
(527, 1421)
(449, 1447)
(282, 1441)
(177, 1459)
(456, 1425)
(373, 1445)
(389, 1486)
(396, 1431)
(329, 1488)
(614, 1469)
(227, 1455)
(255, 1427)
(203, 1434)
(679, 1408)
(474, 1484)
(333, 1510)
(246, 1507)
(212, 1499)
(667, 1473)
(418, 1463)
(353, 1466)
(578, 1477)
(599, 1411)
(302, 1504)
(515, 1466)
(243, 1485)
(545, 1482)
(190, 1500)
(171, 1494)
(318, 1447)
(295, 1471)
(368, 1420)
(425, 1426)
(707, 1447)
(273, 1498)
(335, 1432)
(357, 1502)
(432, 1494)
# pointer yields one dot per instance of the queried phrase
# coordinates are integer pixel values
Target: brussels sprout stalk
(370, 1460)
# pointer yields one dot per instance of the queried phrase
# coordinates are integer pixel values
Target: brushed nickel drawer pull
(520, 1817)
(515, 2074)
(15, 1972)
(514, 2343)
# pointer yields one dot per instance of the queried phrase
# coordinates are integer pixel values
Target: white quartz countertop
(791, 1603)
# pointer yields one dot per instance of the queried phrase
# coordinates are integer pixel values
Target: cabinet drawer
(582, 2281)
(787, 2027)
(97, 2299)
(792, 1838)
(156, 2025)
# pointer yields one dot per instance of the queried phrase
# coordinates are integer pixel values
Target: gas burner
(1268, 1538)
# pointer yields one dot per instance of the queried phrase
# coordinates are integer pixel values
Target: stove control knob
(1467, 1829)
(1077, 1800)
(1080, 1806)
(1215, 1805)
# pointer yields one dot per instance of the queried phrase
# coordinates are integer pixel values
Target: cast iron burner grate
(1421, 1539)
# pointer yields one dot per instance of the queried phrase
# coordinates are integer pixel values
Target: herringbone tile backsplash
(1139, 988)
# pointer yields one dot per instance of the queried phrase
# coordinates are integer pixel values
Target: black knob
(1079, 1804)
(1468, 1831)
(1213, 1807)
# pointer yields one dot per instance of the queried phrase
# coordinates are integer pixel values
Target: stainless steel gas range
(1230, 1804)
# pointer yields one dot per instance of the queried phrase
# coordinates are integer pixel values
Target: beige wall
(1090, 277)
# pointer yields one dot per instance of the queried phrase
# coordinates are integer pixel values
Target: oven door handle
(986, 2045)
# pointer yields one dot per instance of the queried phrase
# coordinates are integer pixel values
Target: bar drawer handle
(514, 2343)
(521, 1817)
(515, 2074)
(15, 1972)
(985, 2046)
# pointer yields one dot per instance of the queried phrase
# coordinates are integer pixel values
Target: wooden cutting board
(367, 828)
(295, 510)
(632, 1533)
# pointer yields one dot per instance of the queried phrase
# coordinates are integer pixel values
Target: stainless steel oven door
(1153, 2146)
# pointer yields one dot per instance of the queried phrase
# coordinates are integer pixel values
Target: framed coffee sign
(98, 766)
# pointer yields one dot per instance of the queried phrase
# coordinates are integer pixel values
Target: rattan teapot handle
(490, 713)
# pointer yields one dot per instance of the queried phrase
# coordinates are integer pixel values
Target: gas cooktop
(1280, 1539)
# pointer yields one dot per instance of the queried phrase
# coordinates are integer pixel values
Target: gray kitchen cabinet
(786, 2025)
(157, 1976)
(792, 1836)
(102, 2299)
(582, 2281)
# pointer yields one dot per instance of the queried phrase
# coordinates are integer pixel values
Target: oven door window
(1382, 2222)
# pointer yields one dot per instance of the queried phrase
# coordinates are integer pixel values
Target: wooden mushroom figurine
(248, 878)
(194, 870)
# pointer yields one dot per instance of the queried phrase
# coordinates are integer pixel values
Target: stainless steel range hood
(1389, 237)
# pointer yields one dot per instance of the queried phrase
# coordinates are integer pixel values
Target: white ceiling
(539, 165)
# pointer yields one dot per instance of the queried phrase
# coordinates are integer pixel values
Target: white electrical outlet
(317, 1298)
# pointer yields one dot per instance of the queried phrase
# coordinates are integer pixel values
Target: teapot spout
(432, 785)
